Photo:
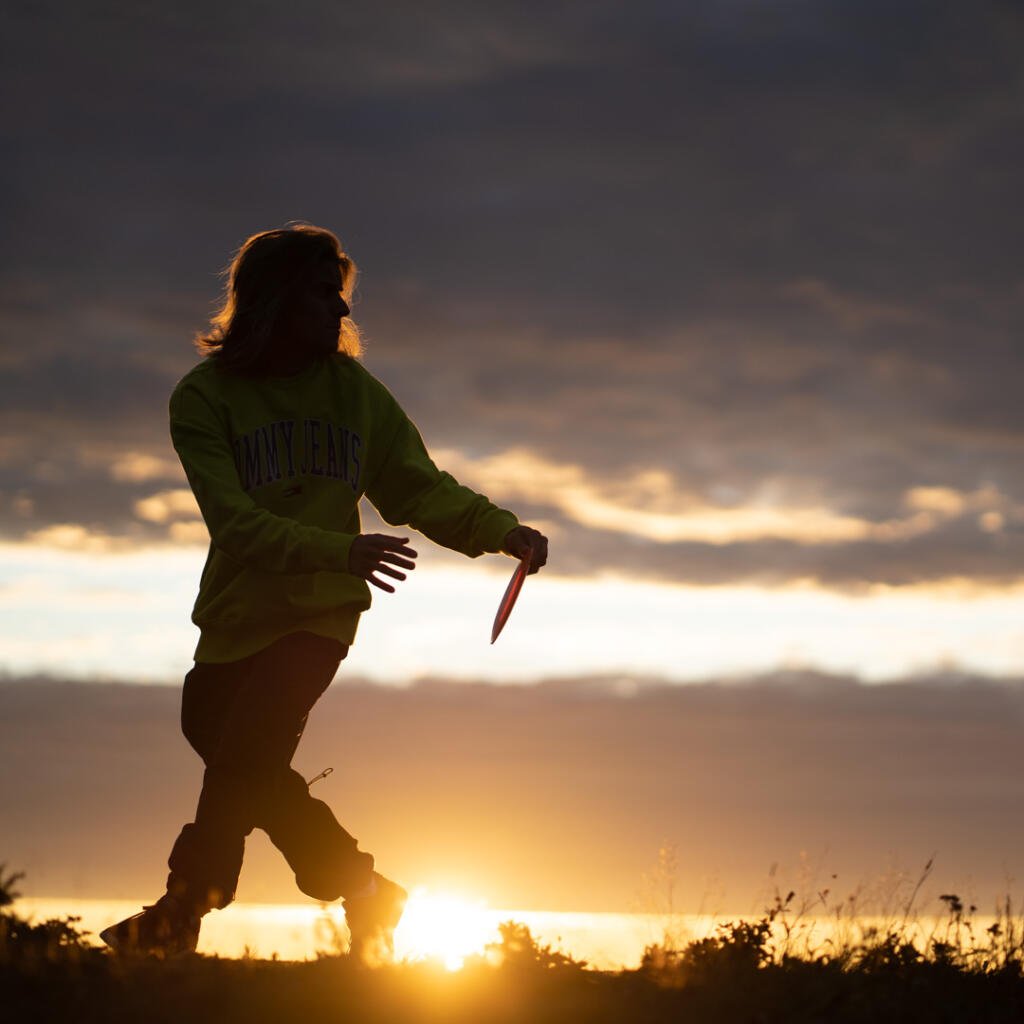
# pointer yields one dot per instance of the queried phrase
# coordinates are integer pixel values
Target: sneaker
(372, 921)
(164, 929)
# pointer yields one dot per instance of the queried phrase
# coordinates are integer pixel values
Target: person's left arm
(409, 489)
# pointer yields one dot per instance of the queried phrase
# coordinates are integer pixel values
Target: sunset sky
(726, 297)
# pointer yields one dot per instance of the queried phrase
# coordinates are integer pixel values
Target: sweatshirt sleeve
(252, 536)
(408, 489)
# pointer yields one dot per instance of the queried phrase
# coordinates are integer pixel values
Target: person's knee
(326, 860)
(328, 878)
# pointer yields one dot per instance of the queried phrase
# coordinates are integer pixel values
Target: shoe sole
(109, 936)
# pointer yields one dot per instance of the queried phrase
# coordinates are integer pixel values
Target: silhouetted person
(281, 431)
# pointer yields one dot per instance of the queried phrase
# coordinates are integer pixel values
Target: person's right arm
(250, 535)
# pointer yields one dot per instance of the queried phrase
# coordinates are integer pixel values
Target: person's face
(313, 321)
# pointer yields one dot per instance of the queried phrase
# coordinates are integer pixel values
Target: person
(281, 431)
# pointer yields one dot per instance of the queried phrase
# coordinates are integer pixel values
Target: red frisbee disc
(511, 593)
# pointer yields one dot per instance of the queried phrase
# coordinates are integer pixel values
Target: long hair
(261, 280)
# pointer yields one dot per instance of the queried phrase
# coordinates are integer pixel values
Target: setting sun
(445, 927)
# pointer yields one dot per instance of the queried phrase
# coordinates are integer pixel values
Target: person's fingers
(384, 542)
(388, 571)
(525, 541)
(538, 549)
(395, 559)
(519, 545)
(370, 550)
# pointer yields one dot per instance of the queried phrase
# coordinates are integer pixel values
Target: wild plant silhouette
(7, 883)
(770, 969)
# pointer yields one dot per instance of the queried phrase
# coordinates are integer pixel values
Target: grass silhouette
(773, 968)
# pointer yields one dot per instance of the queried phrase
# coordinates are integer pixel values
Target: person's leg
(325, 858)
(197, 862)
(249, 782)
(262, 730)
(172, 924)
(245, 720)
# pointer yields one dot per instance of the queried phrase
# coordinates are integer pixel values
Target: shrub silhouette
(746, 971)
(517, 948)
(22, 941)
(7, 884)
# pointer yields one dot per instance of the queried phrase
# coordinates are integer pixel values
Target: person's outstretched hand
(525, 540)
(376, 553)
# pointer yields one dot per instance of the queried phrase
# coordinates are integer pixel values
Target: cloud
(731, 281)
(969, 555)
(853, 312)
(648, 505)
(167, 505)
(190, 533)
(138, 467)
(72, 537)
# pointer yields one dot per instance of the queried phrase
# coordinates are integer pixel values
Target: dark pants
(244, 719)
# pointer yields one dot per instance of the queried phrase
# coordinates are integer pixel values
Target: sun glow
(444, 927)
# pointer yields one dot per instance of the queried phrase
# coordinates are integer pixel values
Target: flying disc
(511, 593)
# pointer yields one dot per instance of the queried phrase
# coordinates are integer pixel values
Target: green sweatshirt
(278, 466)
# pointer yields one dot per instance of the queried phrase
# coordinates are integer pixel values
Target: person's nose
(343, 308)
